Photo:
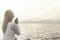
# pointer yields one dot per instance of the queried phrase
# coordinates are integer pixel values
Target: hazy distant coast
(40, 21)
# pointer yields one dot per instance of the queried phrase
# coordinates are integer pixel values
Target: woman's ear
(16, 20)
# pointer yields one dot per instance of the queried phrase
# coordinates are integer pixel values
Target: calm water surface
(37, 31)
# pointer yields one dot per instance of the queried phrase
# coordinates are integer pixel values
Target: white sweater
(11, 30)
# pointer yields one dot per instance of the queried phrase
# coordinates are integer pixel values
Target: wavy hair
(8, 17)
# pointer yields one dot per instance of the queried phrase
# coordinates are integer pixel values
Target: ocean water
(37, 31)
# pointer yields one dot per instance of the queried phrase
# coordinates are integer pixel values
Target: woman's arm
(16, 29)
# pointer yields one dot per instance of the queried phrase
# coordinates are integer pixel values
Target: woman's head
(8, 17)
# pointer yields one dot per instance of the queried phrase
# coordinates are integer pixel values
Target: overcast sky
(31, 9)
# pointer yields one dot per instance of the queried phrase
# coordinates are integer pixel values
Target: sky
(31, 9)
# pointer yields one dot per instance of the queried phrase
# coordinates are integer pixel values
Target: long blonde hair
(8, 17)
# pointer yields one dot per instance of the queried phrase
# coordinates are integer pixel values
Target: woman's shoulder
(11, 23)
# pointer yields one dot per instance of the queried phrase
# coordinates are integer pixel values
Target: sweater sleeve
(16, 29)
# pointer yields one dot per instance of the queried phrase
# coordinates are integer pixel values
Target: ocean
(37, 31)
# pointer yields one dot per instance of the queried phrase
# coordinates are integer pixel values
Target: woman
(8, 17)
(11, 30)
